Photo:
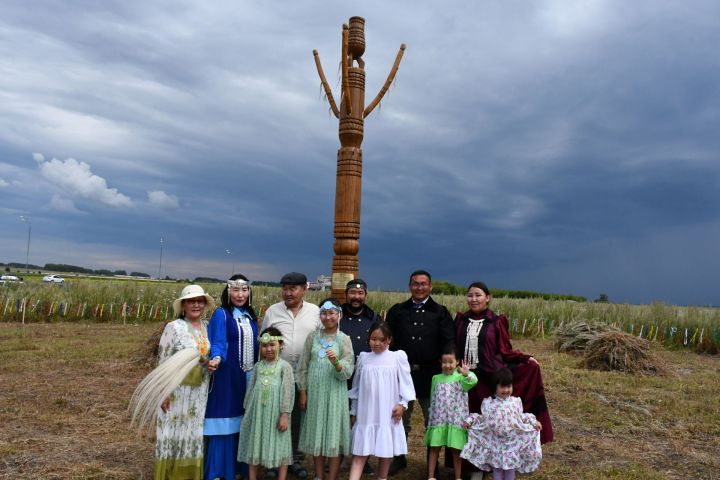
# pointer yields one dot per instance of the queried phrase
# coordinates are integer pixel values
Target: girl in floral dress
(327, 362)
(448, 410)
(265, 430)
(504, 439)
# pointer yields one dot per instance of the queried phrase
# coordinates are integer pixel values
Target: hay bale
(573, 337)
(619, 351)
(148, 353)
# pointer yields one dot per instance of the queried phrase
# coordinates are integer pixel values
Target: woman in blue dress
(233, 335)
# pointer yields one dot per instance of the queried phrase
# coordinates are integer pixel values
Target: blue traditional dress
(233, 338)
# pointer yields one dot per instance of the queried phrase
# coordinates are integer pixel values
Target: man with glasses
(421, 328)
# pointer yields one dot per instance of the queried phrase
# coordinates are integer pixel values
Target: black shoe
(397, 464)
(271, 474)
(298, 471)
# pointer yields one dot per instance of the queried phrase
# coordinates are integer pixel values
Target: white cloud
(76, 179)
(38, 157)
(163, 200)
(63, 204)
(3, 183)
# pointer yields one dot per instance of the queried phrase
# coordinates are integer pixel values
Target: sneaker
(397, 464)
(298, 471)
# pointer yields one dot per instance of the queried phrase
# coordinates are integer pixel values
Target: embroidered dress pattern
(179, 448)
(326, 424)
(246, 341)
(271, 392)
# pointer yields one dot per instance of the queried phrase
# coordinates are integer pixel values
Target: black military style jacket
(422, 334)
(356, 327)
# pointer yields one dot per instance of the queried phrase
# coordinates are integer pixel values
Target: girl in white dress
(381, 390)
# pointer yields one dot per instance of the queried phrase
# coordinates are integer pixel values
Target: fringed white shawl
(158, 385)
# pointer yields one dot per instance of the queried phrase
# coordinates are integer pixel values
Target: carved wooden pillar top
(352, 113)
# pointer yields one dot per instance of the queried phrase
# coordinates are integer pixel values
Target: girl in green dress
(448, 410)
(265, 430)
(327, 362)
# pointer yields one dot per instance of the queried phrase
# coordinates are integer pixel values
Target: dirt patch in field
(65, 389)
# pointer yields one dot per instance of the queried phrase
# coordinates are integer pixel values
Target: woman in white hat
(179, 448)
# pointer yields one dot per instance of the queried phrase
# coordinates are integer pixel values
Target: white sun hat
(192, 291)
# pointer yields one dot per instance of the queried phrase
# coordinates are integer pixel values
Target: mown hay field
(65, 388)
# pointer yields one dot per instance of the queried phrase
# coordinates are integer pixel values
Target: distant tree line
(63, 267)
(447, 288)
(20, 265)
(207, 280)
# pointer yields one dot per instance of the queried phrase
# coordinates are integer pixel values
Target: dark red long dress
(494, 352)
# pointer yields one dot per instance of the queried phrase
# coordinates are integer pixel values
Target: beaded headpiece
(239, 283)
(267, 338)
(328, 305)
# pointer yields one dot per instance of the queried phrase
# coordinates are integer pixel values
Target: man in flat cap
(421, 327)
(296, 319)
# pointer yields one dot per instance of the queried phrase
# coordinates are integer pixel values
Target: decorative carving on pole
(352, 112)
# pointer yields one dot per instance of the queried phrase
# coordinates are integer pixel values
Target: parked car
(53, 279)
(9, 279)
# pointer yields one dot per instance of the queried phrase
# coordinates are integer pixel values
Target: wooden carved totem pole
(348, 185)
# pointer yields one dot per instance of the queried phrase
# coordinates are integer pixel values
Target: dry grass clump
(147, 354)
(619, 351)
(574, 337)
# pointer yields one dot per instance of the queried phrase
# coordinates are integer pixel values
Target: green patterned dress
(179, 447)
(325, 427)
(270, 393)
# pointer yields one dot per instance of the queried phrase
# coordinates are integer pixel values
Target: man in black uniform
(357, 317)
(421, 327)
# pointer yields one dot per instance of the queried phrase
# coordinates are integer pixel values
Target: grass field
(65, 388)
(114, 301)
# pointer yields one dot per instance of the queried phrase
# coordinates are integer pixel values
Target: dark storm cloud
(550, 146)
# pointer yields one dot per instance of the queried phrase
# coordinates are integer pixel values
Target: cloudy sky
(560, 146)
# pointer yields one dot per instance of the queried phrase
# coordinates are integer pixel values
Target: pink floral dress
(503, 437)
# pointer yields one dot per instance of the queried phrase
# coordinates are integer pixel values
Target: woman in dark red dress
(482, 338)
